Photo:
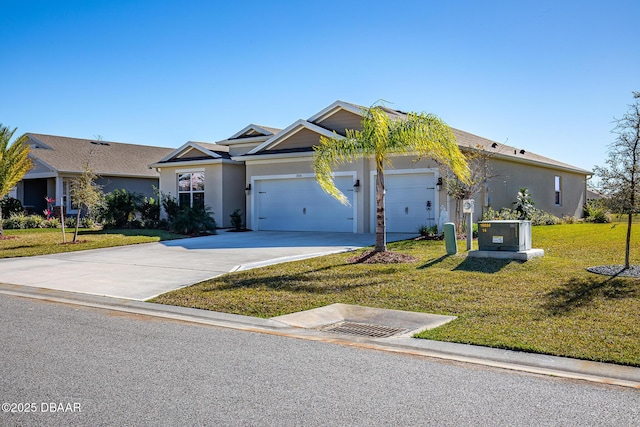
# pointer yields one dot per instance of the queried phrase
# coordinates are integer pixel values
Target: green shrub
(566, 219)
(149, 209)
(540, 217)
(70, 222)
(135, 223)
(87, 222)
(596, 212)
(536, 216)
(52, 223)
(22, 221)
(119, 208)
(10, 206)
(425, 230)
(15, 221)
(236, 219)
(194, 220)
(170, 206)
(502, 214)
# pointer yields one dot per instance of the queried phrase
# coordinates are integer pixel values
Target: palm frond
(332, 152)
(14, 159)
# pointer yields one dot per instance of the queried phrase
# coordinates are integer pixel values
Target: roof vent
(494, 145)
(99, 143)
(522, 151)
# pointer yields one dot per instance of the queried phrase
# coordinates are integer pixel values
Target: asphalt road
(71, 365)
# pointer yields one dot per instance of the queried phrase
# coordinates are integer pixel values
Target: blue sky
(546, 76)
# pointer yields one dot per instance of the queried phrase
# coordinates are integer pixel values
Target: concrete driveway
(143, 271)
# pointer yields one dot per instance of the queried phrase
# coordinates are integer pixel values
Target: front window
(67, 196)
(191, 189)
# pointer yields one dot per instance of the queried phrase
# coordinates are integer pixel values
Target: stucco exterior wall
(342, 120)
(540, 181)
(223, 187)
(233, 182)
(302, 139)
(143, 186)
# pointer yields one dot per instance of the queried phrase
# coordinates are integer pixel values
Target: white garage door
(299, 204)
(409, 202)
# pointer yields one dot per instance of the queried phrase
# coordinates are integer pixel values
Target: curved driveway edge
(141, 272)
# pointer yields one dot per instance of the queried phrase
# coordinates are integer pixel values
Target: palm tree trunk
(381, 227)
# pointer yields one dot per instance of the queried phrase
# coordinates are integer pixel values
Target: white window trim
(191, 192)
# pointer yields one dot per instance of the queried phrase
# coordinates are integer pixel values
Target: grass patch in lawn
(547, 305)
(46, 241)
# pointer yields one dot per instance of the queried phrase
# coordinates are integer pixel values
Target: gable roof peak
(334, 108)
(253, 130)
(289, 131)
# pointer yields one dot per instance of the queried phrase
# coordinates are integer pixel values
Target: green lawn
(49, 240)
(548, 305)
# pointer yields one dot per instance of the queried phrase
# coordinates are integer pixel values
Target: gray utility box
(512, 236)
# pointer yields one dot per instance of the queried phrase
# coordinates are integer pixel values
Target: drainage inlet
(362, 329)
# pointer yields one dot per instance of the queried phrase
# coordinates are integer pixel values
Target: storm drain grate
(362, 329)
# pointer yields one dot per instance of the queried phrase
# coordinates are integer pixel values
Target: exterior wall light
(439, 184)
(247, 190)
(356, 186)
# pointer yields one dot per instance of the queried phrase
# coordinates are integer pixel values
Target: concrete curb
(604, 373)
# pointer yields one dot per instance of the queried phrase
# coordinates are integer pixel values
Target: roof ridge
(93, 140)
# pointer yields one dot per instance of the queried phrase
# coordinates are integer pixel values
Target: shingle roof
(220, 149)
(466, 139)
(270, 129)
(106, 158)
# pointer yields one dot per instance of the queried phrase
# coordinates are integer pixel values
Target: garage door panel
(406, 201)
(299, 204)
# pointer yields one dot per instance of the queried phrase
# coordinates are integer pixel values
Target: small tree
(478, 159)
(14, 162)
(85, 193)
(620, 178)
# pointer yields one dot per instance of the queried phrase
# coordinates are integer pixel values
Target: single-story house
(57, 160)
(267, 173)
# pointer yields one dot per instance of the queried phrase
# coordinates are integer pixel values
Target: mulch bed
(616, 270)
(8, 237)
(388, 257)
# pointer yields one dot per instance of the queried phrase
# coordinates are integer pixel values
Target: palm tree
(381, 136)
(14, 162)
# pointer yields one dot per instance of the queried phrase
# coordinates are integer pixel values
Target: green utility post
(450, 238)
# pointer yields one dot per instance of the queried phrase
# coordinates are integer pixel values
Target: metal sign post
(467, 208)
